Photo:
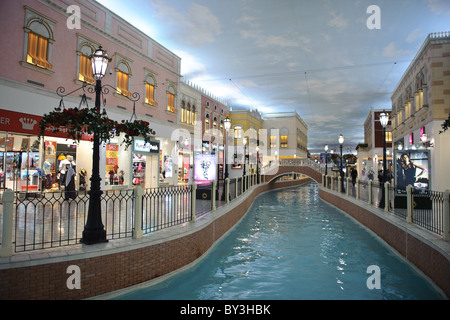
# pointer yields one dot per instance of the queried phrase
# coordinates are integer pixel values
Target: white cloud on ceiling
(197, 26)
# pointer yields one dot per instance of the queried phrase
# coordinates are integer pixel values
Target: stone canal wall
(428, 252)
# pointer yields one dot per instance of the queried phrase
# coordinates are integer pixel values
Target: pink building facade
(46, 47)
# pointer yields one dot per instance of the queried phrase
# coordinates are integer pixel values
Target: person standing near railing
(354, 175)
(69, 187)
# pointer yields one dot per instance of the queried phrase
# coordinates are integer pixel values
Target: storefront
(185, 174)
(19, 160)
(27, 164)
(175, 161)
(145, 163)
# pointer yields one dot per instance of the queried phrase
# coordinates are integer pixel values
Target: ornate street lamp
(244, 141)
(227, 126)
(94, 230)
(99, 60)
(341, 142)
(257, 163)
(384, 119)
(80, 121)
(326, 162)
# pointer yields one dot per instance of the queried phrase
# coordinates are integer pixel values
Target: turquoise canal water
(292, 245)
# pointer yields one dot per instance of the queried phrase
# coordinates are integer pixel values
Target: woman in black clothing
(407, 170)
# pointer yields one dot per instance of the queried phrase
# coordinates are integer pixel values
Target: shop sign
(139, 146)
(18, 122)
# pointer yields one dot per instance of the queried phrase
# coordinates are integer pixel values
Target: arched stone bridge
(286, 167)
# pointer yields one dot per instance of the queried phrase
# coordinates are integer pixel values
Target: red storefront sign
(17, 122)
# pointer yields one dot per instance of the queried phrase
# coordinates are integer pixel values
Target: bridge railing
(273, 165)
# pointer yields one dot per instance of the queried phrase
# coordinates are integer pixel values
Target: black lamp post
(326, 162)
(227, 126)
(94, 230)
(384, 119)
(257, 163)
(341, 141)
(244, 141)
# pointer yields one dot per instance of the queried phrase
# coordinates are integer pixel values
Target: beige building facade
(287, 135)
(420, 104)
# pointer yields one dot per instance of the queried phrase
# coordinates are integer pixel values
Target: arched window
(284, 138)
(238, 132)
(183, 112)
(408, 96)
(420, 93)
(38, 40)
(207, 123)
(215, 125)
(188, 113)
(273, 138)
(123, 71)
(193, 114)
(150, 85)
(171, 94)
(37, 53)
(84, 63)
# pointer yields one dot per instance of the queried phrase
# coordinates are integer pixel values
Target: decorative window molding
(284, 138)
(150, 88)
(171, 97)
(85, 49)
(207, 125)
(193, 114)
(214, 124)
(38, 41)
(123, 71)
(187, 113)
(238, 132)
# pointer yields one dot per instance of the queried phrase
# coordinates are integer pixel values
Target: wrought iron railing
(425, 208)
(43, 220)
(47, 219)
(166, 207)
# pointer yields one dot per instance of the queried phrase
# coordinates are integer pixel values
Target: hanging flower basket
(81, 121)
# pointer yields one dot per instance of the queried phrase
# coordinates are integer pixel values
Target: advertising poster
(186, 168)
(50, 155)
(112, 157)
(205, 168)
(328, 158)
(168, 166)
(412, 167)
